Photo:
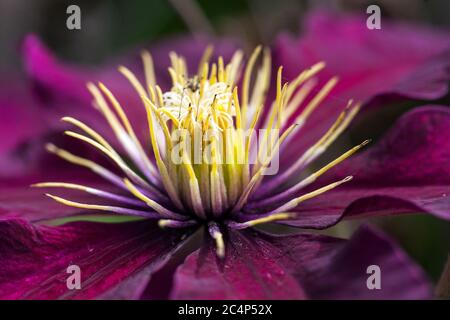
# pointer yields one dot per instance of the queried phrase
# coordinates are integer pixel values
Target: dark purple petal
(35, 258)
(414, 152)
(250, 270)
(398, 59)
(330, 208)
(408, 170)
(330, 268)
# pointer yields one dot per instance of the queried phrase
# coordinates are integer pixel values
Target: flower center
(211, 145)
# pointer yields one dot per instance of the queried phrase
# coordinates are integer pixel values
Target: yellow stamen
(295, 202)
(220, 245)
(246, 82)
(270, 218)
(149, 69)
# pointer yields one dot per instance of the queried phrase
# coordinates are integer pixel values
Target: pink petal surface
(21, 123)
(249, 271)
(35, 258)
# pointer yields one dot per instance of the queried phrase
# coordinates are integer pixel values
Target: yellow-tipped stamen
(90, 190)
(96, 168)
(133, 80)
(339, 159)
(270, 218)
(149, 69)
(318, 98)
(233, 68)
(246, 82)
(127, 124)
(276, 108)
(297, 99)
(205, 59)
(89, 131)
(262, 83)
(161, 166)
(80, 205)
(133, 147)
(295, 202)
(220, 244)
(318, 148)
(303, 77)
(257, 177)
(312, 177)
(113, 156)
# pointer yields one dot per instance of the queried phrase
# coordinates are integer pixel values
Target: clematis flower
(160, 206)
(170, 199)
(397, 62)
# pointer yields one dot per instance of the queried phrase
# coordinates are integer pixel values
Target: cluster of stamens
(203, 165)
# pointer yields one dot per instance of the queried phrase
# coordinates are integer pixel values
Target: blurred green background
(109, 27)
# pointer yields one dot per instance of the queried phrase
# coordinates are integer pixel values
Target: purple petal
(21, 122)
(330, 268)
(406, 171)
(35, 258)
(415, 152)
(404, 60)
(381, 60)
(250, 270)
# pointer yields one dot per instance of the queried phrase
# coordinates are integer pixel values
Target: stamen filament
(151, 203)
(214, 231)
(119, 210)
(168, 223)
(266, 219)
(295, 202)
(94, 191)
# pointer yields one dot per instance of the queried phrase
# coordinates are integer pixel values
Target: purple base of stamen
(236, 225)
(178, 224)
(133, 212)
(213, 228)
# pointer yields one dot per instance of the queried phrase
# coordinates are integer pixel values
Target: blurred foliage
(425, 238)
(103, 218)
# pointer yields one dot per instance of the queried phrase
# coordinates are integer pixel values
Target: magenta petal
(403, 60)
(35, 258)
(21, 122)
(250, 270)
(368, 62)
(330, 268)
